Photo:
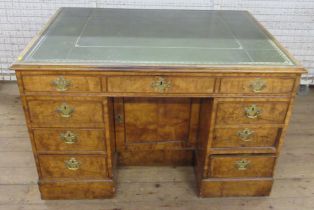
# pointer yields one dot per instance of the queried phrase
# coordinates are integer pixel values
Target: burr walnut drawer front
(73, 166)
(69, 139)
(251, 112)
(67, 112)
(245, 137)
(236, 187)
(60, 83)
(226, 166)
(256, 85)
(160, 84)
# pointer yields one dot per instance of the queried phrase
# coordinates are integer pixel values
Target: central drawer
(160, 84)
(73, 166)
(227, 166)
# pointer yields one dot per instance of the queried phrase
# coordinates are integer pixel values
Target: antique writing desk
(109, 87)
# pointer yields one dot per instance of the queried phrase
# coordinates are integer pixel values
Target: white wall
(291, 21)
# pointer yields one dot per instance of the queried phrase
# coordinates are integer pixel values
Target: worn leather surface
(170, 37)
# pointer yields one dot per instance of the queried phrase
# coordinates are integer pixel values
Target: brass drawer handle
(242, 165)
(61, 84)
(258, 85)
(65, 110)
(161, 84)
(245, 134)
(252, 111)
(68, 137)
(72, 164)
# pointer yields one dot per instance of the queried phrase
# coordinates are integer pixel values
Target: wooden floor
(142, 188)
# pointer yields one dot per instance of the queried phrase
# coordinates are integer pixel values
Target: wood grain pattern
(194, 122)
(226, 166)
(144, 84)
(156, 157)
(43, 112)
(205, 126)
(229, 137)
(149, 120)
(86, 140)
(293, 181)
(77, 190)
(91, 167)
(243, 85)
(180, 115)
(234, 112)
(110, 138)
(235, 187)
(152, 124)
(144, 127)
(44, 83)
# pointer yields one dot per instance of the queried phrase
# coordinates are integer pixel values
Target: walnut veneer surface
(108, 87)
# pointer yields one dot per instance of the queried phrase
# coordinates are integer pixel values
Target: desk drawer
(235, 187)
(241, 166)
(255, 85)
(253, 112)
(69, 139)
(245, 137)
(60, 83)
(64, 112)
(160, 84)
(73, 166)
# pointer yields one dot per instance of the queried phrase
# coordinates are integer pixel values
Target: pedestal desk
(103, 88)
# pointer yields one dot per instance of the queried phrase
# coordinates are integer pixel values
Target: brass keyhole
(252, 111)
(161, 84)
(119, 118)
(65, 110)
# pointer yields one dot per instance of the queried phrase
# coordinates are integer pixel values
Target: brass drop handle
(242, 165)
(161, 84)
(65, 110)
(252, 111)
(68, 137)
(61, 84)
(245, 134)
(72, 164)
(258, 85)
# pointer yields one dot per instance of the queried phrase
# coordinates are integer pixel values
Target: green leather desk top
(155, 37)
